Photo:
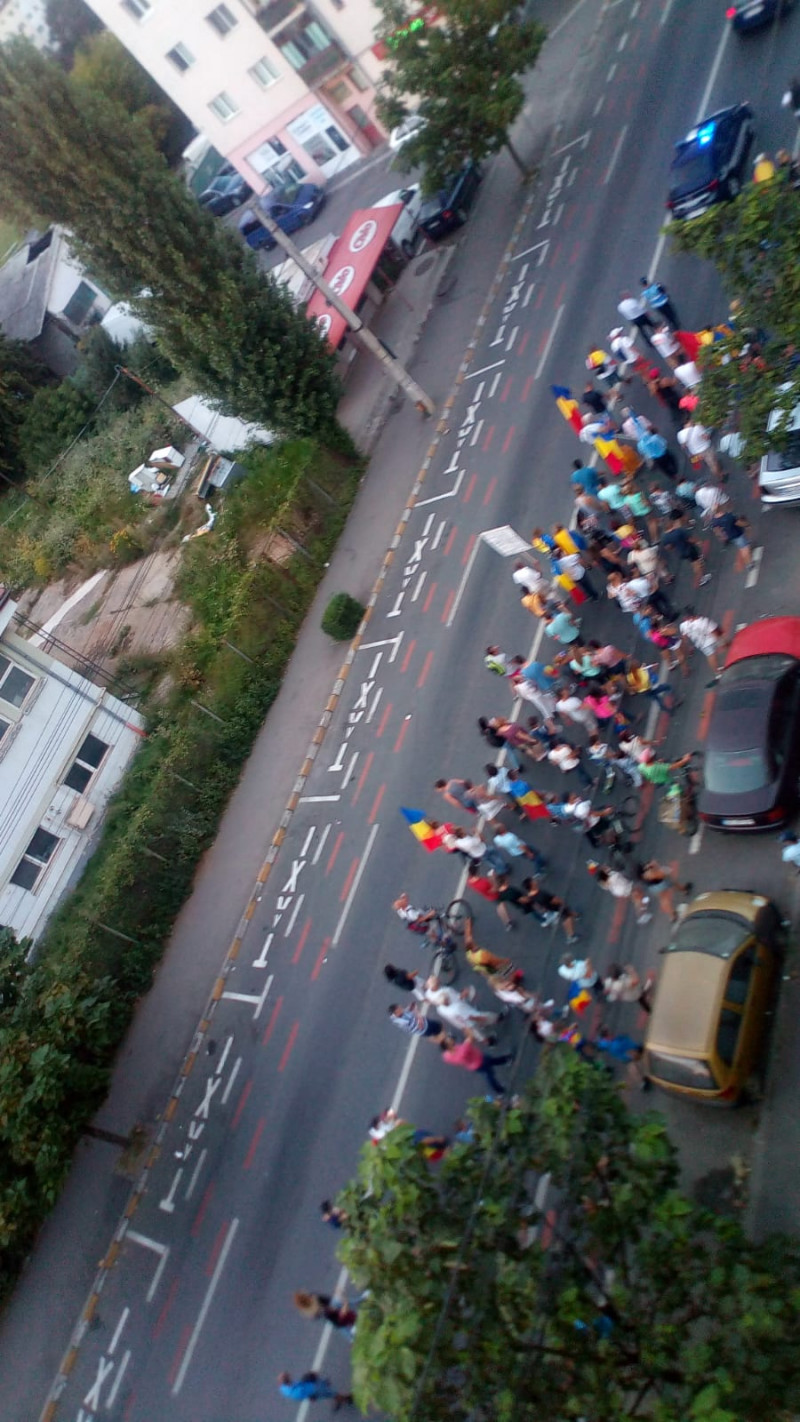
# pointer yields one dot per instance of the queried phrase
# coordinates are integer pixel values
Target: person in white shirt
(567, 757)
(529, 578)
(624, 350)
(710, 499)
(688, 374)
(634, 309)
(457, 1011)
(667, 346)
(621, 887)
(790, 854)
(706, 635)
(696, 440)
(571, 707)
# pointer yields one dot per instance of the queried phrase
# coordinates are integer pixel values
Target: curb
(89, 1309)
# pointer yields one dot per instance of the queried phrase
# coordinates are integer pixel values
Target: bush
(342, 617)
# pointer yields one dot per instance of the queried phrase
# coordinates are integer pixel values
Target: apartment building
(281, 88)
(64, 746)
(24, 17)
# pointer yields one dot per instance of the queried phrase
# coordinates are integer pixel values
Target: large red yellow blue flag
(568, 406)
(428, 837)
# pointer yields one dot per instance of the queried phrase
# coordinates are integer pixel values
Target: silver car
(779, 475)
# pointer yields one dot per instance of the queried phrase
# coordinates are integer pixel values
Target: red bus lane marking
(248, 1087)
(540, 298)
(376, 804)
(347, 885)
(507, 440)
(569, 213)
(467, 495)
(362, 777)
(523, 343)
(451, 538)
(301, 942)
(216, 1248)
(506, 389)
(387, 711)
(251, 1154)
(201, 1210)
(488, 440)
(576, 251)
(705, 715)
(287, 1051)
(527, 387)
(429, 599)
(409, 653)
(465, 556)
(335, 853)
(321, 956)
(158, 1326)
(426, 666)
(270, 1027)
(486, 500)
(401, 734)
(560, 296)
(186, 1334)
(617, 920)
(448, 603)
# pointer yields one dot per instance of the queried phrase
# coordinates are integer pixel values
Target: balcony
(274, 12)
(321, 64)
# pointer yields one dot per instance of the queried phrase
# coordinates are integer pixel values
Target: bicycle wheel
(445, 964)
(457, 915)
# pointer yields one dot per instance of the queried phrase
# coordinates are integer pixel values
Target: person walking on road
(415, 919)
(405, 981)
(456, 1009)
(623, 984)
(312, 1388)
(324, 1309)
(468, 1054)
(677, 538)
(706, 636)
(659, 300)
(696, 440)
(732, 530)
(548, 909)
(634, 309)
(411, 1021)
(661, 881)
(621, 887)
(458, 793)
(790, 854)
(567, 758)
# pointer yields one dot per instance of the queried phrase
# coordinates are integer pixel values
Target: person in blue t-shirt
(585, 477)
(312, 1388)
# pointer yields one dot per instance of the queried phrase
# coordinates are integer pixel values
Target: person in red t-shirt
(471, 1057)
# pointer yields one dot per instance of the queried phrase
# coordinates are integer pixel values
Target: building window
(85, 763)
(263, 73)
(14, 683)
(221, 19)
(35, 859)
(4, 726)
(80, 303)
(223, 107)
(303, 41)
(181, 57)
(137, 8)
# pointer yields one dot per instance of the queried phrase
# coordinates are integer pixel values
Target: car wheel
(734, 186)
(409, 247)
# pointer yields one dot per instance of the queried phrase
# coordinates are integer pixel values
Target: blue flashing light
(705, 134)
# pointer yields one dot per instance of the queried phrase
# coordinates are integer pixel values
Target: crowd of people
(576, 714)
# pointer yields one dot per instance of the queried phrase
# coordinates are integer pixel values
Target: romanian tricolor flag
(578, 998)
(420, 828)
(620, 458)
(533, 804)
(568, 407)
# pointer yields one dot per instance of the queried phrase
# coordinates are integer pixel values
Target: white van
(405, 234)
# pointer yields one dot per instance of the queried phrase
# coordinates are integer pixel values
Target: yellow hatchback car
(716, 984)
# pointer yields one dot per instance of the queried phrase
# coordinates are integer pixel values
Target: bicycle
(445, 930)
(678, 808)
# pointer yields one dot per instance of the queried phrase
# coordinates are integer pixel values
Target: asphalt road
(195, 1319)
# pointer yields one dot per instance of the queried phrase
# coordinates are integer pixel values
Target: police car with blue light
(710, 162)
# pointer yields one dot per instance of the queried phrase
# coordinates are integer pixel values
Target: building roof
(25, 281)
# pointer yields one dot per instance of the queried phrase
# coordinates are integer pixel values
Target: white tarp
(221, 431)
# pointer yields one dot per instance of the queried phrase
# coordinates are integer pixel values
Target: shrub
(342, 617)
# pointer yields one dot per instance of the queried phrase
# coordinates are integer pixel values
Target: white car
(406, 130)
(405, 234)
(779, 474)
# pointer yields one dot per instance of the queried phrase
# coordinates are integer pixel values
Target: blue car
(292, 207)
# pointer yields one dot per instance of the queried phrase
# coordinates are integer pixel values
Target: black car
(753, 746)
(228, 191)
(449, 207)
(709, 163)
(747, 15)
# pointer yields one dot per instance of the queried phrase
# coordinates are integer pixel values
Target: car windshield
(681, 1071)
(691, 169)
(779, 460)
(736, 772)
(287, 194)
(715, 932)
(433, 204)
(770, 666)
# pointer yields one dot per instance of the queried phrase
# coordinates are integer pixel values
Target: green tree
(237, 333)
(70, 23)
(55, 416)
(104, 65)
(635, 1304)
(754, 244)
(21, 375)
(463, 75)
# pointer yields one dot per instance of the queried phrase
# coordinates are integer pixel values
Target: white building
(48, 300)
(64, 746)
(24, 17)
(279, 87)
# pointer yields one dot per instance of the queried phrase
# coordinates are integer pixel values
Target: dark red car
(752, 758)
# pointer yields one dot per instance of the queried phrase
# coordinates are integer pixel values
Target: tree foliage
(632, 1303)
(21, 376)
(105, 66)
(142, 233)
(71, 23)
(754, 243)
(462, 74)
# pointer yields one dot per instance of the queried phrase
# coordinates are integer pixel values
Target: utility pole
(366, 337)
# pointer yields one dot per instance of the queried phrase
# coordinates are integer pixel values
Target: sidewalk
(444, 288)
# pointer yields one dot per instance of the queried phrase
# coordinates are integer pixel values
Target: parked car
(228, 191)
(752, 758)
(405, 131)
(449, 208)
(716, 983)
(292, 207)
(746, 15)
(710, 161)
(779, 474)
(406, 233)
